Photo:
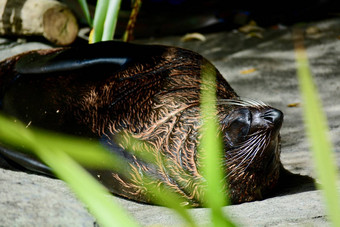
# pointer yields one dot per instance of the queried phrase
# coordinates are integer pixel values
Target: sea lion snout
(245, 121)
(273, 116)
(265, 119)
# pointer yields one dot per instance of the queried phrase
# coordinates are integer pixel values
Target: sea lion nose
(273, 116)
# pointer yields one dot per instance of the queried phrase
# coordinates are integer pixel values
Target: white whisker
(242, 102)
(247, 151)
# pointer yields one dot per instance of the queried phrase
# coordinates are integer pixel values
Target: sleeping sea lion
(151, 92)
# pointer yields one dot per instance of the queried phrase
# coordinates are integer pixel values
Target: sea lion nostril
(273, 116)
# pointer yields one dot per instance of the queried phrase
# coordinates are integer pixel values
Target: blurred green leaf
(211, 149)
(317, 132)
(161, 194)
(99, 201)
(58, 152)
(85, 8)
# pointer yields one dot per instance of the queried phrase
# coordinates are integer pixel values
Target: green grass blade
(162, 196)
(89, 154)
(99, 20)
(211, 148)
(111, 19)
(85, 8)
(317, 131)
(87, 188)
(167, 198)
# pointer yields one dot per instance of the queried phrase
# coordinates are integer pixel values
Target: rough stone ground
(31, 200)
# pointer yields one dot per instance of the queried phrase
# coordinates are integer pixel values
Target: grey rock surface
(31, 200)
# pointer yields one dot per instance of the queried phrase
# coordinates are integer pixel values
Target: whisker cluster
(246, 102)
(243, 155)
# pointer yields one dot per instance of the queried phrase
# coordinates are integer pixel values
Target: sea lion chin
(151, 92)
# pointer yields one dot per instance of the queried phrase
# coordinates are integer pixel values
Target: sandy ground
(30, 200)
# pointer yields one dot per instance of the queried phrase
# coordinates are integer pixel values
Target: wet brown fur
(156, 100)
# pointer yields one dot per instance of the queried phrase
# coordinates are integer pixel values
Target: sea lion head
(252, 148)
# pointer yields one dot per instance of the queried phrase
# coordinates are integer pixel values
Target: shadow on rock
(290, 183)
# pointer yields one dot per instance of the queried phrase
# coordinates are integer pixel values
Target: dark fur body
(150, 92)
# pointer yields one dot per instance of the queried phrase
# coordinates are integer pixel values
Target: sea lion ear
(72, 59)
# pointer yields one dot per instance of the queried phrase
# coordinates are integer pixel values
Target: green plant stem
(111, 19)
(59, 152)
(87, 189)
(317, 131)
(93, 155)
(86, 11)
(99, 201)
(211, 148)
(165, 197)
(99, 20)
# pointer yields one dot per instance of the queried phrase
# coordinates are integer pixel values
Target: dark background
(175, 17)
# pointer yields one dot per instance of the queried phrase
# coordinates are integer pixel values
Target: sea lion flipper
(66, 60)
(15, 160)
(114, 55)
